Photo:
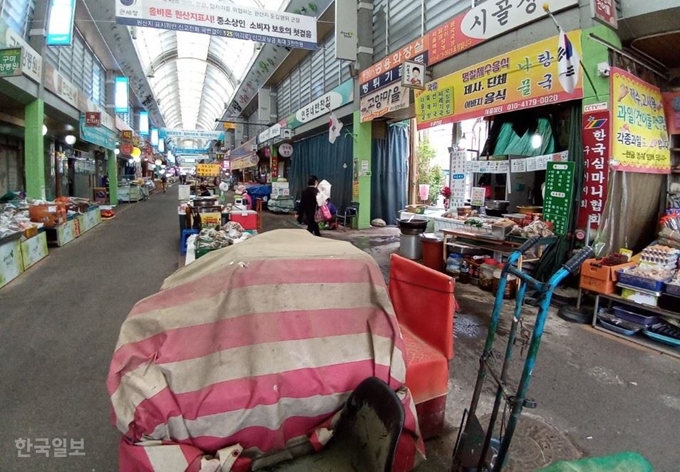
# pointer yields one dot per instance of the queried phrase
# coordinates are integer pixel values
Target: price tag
(626, 252)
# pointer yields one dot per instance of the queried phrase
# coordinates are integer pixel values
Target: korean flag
(568, 63)
(334, 128)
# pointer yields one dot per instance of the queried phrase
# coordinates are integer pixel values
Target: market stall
(638, 298)
(23, 242)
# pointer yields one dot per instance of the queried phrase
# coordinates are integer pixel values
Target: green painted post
(112, 168)
(595, 53)
(34, 149)
(362, 159)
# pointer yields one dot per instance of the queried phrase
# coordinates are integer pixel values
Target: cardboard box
(642, 298)
(600, 279)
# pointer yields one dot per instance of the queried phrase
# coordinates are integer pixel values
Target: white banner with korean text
(218, 18)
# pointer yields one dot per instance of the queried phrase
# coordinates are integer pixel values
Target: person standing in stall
(308, 206)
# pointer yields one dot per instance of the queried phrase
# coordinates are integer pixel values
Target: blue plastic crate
(641, 282)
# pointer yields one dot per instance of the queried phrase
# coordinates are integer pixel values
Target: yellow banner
(639, 137)
(525, 78)
(208, 170)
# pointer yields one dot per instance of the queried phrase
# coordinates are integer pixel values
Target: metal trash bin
(410, 245)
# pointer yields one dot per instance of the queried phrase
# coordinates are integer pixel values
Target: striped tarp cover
(250, 351)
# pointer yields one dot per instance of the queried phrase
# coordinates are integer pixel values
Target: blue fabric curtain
(389, 173)
(332, 162)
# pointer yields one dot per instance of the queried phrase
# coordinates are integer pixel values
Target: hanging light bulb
(44, 130)
(70, 139)
(136, 152)
(131, 161)
(116, 151)
(536, 141)
(158, 162)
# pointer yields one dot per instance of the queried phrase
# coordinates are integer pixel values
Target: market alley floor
(59, 323)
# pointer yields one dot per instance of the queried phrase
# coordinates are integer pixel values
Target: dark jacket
(307, 205)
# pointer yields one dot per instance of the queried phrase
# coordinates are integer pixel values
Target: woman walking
(308, 206)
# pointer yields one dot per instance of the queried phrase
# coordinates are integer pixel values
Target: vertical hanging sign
(596, 129)
(604, 11)
(559, 189)
(121, 94)
(60, 22)
(346, 25)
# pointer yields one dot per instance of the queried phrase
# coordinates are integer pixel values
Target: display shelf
(642, 340)
(649, 308)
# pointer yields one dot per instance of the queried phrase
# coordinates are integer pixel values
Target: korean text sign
(387, 100)
(524, 78)
(462, 32)
(639, 138)
(218, 18)
(559, 188)
(596, 131)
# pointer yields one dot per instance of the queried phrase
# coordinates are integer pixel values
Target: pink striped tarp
(245, 356)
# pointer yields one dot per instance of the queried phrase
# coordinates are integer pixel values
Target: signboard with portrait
(413, 75)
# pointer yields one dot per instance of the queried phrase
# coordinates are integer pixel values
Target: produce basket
(641, 282)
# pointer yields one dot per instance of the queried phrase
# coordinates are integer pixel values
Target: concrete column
(595, 53)
(34, 149)
(112, 168)
(362, 153)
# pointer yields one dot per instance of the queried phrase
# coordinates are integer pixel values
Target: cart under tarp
(249, 352)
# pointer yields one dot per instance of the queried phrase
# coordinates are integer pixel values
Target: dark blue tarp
(331, 162)
(259, 191)
(389, 173)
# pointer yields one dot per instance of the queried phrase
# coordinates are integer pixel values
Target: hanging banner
(671, 107)
(467, 30)
(384, 101)
(559, 189)
(189, 134)
(596, 130)
(524, 78)
(218, 18)
(457, 190)
(639, 138)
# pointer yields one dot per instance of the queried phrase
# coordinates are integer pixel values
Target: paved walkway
(59, 323)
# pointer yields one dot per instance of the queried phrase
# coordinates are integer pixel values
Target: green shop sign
(98, 135)
(10, 62)
(559, 186)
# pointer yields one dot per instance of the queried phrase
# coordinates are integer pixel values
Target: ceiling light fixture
(70, 139)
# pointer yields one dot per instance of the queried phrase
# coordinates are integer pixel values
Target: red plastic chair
(424, 304)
